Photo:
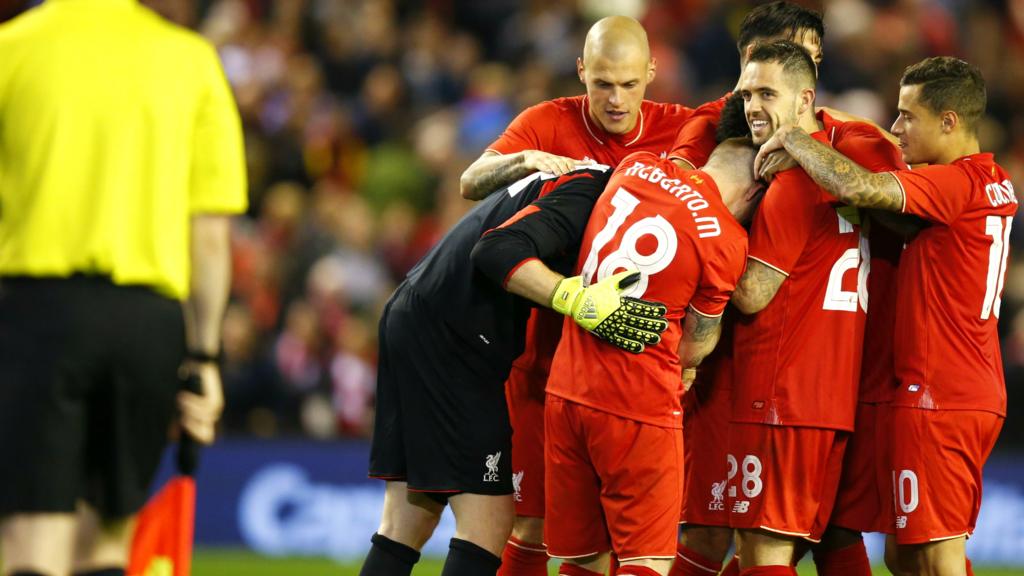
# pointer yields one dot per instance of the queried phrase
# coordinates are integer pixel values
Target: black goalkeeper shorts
(442, 423)
(88, 377)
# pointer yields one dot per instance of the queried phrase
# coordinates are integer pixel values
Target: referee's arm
(218, 189)
(204, 312)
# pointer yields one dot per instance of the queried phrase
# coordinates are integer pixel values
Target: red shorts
(524, 391)
(707, 410)
(937, 457)
(783, 478)
(612, 484)
(864, 500)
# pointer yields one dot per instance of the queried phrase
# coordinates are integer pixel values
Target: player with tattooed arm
(613, 453)
(950, 402)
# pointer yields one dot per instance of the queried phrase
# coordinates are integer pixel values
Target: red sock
(614, 565)
(970, 569)
(634, 570)
(567, 569)
(849, 561)
(691, 563)
(523, 559)
(769, 571)
(732, 568)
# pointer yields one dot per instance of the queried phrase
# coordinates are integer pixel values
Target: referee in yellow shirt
(120, 162)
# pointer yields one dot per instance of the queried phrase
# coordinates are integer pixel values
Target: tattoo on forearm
(843, 178)
(757, 287)
(705, 327)
(505, 170)
(699, 338)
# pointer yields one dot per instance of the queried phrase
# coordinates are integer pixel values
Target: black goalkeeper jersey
(461, 280)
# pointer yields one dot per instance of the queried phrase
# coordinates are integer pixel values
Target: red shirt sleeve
(720, 275)
(784, 220)
(529, 131)
(865, 145)
(939, 193)
(695, 140)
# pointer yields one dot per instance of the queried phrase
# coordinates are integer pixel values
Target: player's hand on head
(625, 322)
(198, 413)
(541, 161)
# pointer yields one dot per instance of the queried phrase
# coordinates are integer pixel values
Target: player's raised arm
(840, 176)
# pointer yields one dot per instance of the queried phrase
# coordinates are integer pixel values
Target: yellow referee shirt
(116, 127)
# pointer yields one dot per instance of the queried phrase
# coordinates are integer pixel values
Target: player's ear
(806, 100)
(950, 120)
(652, 69)
(580, 71)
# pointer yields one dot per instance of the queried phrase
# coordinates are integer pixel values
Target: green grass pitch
(242, 563)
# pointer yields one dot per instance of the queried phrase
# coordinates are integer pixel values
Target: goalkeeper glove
(629, 323)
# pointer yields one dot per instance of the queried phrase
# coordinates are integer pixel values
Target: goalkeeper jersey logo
(492, 467)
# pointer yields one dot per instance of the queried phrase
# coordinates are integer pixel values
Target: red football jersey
(563, 126)
(798, 360)
(950, 286)
(866, 146)
(671, 225)
(696, 138)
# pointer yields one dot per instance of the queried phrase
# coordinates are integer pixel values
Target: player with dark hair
(795, 393)
(950, 400)
(609, 122)
(448, 337)
(705, 537)
(613, 453)
(122, 160)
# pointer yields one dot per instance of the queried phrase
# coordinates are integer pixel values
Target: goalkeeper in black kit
(448, 337)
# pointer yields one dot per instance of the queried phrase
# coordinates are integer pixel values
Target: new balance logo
(517, 480)
(901, 522)
(741, 506)
(492, 467)
(718, 494)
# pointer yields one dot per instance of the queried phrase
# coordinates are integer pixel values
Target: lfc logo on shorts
(717, 495)
(492, 467)
(517, 480)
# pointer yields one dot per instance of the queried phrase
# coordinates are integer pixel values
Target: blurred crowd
(360, 115)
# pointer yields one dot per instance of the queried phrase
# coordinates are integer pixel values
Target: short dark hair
(778, 19)
(795, 60)
(733, 121)
(949, 83)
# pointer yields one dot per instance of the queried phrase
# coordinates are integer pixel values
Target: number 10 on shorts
(905, 495)
(751, 483)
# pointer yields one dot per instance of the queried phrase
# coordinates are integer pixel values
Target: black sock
(388, 558)
(102, 572)
(468, 559)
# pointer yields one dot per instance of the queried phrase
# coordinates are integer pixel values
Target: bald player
(607, 123)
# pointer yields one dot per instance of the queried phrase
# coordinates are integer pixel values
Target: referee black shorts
(442, 423)
(88, 377)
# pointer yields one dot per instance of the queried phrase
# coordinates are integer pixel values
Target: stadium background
(359, 117)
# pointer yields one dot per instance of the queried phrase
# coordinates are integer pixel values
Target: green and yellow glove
(629, 323)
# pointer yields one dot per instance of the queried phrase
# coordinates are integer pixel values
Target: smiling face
(768, 99)
(616, 84)
(918, 128)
